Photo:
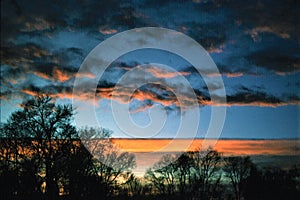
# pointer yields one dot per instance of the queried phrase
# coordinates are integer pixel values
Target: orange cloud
(107, 31)
(142, 96)
(56, 75)
(266, 29)
(229, 74)
(122, 97)
(155, 95)
(161, 73)
(216, 49)
(39, 24)
(29, 92)
(86, 75)
(35, 51)
(60, 75)
(232, 75)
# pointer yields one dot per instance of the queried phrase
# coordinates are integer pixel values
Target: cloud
(22, 55)
(45, 19)
(23, 60)
(31, 17)
(138, 73)
(107, 31)
(223, 71)
(141, 106)
(249, 97)
(60, 75)
(149, 95)
(281, 62)
(52, 72)
(60, 91)
(211, 36)
(38, 24)
(161, 73)
(156, 71)
(243, 97)
(36, 58)
(255, 32)
(275, 17)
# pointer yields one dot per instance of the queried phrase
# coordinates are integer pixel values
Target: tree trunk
(51, 189)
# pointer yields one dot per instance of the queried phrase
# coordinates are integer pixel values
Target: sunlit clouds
(43, 46)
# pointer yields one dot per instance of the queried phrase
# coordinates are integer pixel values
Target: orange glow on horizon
(150, 151)
(227, 147)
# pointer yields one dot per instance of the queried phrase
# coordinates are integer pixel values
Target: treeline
(208, 175)
(41, 157)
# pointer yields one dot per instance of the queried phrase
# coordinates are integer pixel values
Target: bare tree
(184, 165)
(43, 128)
(189, 174)
(206, 173)
(163, 175)
(110, 163)
(237, 169)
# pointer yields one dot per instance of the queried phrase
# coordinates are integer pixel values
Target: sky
(254, 44)
(279, 153)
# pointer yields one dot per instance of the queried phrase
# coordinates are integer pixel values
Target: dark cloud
(278, 17)
(105, 84)
(243, 97)
(210, 36)
(31, 17)
(161, 92)
(253, 98)
(21, 55)
(45, 18)
(23, 60)
(128, 17)
(95, 13)
(224, 70)
(9, 74)
(56, 91)
(277, 58)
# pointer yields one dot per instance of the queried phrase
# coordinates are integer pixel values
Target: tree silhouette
(80, 175)
(237, 169)
(163, 175)
(273, 183)
(110, 164)
(189, 175)
(39, 129)
(184, 166)
(43, 157)
(206, 173)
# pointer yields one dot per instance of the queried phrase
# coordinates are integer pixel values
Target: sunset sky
(279, 153)
(255, 45)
